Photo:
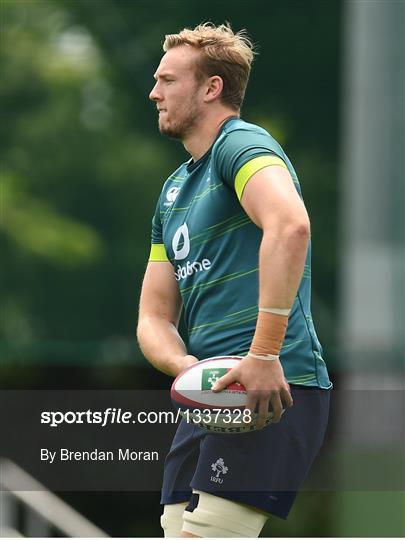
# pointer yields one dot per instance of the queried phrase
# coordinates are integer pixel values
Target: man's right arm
(159, 314)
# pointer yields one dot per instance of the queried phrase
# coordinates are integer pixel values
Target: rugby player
(231, 247)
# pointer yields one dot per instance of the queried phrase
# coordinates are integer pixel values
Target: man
(230, 246)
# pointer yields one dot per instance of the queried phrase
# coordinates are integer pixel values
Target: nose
(154, 94)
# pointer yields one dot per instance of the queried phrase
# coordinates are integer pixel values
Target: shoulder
(238, 135)
(245, 148)
(237, 124)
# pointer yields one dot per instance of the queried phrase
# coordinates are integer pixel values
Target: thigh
(180, 464)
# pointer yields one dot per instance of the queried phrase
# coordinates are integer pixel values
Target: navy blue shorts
(263, 468)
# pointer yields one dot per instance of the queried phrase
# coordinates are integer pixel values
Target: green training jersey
(201, 228)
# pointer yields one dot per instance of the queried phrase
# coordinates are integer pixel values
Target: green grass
(370, 513)
(342, 514)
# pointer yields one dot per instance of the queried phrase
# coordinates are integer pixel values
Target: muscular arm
(272, 202)
(159, 314)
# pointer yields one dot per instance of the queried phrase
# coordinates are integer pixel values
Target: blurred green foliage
(83, 162)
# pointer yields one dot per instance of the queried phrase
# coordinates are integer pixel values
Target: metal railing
(43, 511)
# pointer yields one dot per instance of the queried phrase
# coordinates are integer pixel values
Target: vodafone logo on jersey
(181, 238)
(181, 249)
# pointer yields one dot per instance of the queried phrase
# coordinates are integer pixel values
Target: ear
(213, 89)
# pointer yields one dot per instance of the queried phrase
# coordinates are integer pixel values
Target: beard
(183, 123)
(181, 127)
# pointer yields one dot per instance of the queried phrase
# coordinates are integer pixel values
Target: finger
(286, 397)
(276, 406)
(225, 381)
(263, 411)
(251, 404)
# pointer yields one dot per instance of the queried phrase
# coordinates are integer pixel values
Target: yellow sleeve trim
(251, 167)
(158, 253)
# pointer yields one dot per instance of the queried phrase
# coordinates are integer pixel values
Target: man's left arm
(273, 204)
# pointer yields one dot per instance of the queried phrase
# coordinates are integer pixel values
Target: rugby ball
(217, 412)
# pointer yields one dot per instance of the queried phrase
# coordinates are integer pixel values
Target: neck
(202, 137)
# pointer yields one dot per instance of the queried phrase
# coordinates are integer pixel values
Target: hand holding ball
(221, 412)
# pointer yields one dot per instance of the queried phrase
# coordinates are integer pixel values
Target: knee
(172, 519)
(209, 516)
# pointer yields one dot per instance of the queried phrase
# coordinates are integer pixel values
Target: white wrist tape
(270, 357)
(276, 311)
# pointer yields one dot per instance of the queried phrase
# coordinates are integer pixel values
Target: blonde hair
(223, 53)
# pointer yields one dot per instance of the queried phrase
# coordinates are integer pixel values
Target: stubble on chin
(172, 133)
(181, 128)
(176, 131)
